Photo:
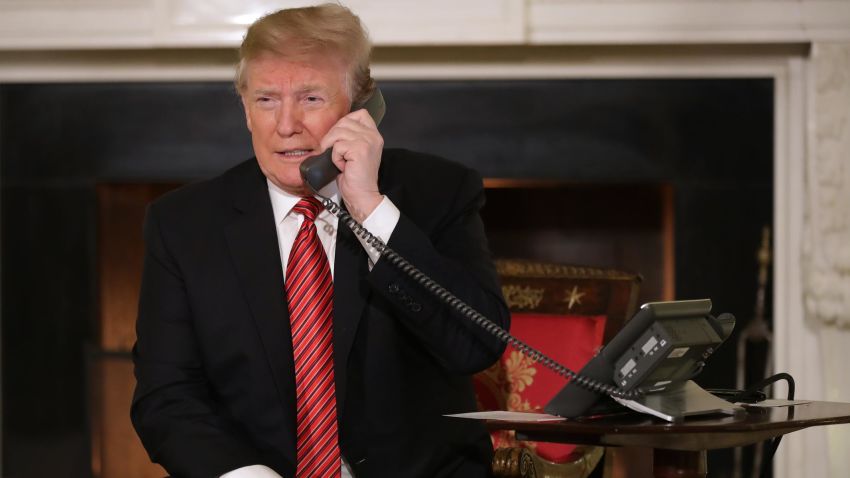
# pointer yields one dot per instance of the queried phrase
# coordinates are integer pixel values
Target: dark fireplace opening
(670, 178)
(615, 226)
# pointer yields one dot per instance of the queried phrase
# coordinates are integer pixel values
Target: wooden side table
(680, 449)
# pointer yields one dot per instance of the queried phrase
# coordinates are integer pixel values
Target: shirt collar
(283, 202)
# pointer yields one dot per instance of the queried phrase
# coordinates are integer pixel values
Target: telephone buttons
(393, 288)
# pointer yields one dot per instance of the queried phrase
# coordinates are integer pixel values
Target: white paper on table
(507, 416)
(770, 402)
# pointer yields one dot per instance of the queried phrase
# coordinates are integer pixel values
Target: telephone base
(681, 400)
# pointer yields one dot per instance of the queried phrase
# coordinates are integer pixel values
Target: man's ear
(245, 109)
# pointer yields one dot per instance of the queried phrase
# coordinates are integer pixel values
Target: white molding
(103, 66)
(390, 22)
(826, 249)
(218, 65)
(687, 21)
(217, 23)
(100, 24)
(588, 67)
(84, 25)
(796, 341)
(825, 254)
(445, 22)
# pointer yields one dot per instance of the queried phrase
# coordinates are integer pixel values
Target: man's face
(289, 106)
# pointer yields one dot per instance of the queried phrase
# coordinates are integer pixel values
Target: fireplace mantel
(110, 24)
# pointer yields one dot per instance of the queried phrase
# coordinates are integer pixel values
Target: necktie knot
(309, 207)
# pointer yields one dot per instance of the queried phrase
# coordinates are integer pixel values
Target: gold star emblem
(573, 297)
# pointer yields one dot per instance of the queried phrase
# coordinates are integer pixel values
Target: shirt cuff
(253, 471)
(381, 223)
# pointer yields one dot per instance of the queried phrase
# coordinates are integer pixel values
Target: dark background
(710, 140)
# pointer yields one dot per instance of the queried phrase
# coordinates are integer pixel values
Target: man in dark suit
(220, 390)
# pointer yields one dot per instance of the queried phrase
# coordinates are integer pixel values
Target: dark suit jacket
(213, 360)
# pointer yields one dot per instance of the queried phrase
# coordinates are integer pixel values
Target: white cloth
(262, 471)
(381, 223)
(253, 471)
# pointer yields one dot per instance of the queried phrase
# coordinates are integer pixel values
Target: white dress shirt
(381, 223)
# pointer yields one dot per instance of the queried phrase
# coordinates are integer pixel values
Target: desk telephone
(662, 347)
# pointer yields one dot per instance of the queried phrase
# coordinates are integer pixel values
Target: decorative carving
(522, 268)
(520, 463)
(522, 297)
(513, 462)
(825, 260)
(573, 297)
(826, 246)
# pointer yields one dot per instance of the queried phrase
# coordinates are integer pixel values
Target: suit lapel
(350, 291)
(252, 240)
(350, 294)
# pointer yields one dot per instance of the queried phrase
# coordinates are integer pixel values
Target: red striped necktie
(309, 292)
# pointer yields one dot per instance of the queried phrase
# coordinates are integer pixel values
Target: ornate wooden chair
(567, 312)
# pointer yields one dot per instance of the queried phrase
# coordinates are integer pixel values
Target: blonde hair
(298, 33)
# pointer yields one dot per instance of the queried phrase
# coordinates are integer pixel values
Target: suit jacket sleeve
(173, 410)
(441, 233)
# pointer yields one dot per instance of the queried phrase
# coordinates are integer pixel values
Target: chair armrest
(517, 462)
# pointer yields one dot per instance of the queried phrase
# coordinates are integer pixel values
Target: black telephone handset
(320, 170)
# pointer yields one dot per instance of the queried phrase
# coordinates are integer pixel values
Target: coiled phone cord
(470, 313)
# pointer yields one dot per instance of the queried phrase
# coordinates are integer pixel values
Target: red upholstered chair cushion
(516, 383)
